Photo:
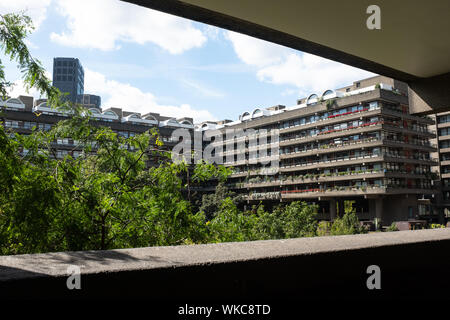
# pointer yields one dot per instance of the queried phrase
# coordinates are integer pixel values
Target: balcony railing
(361, 157)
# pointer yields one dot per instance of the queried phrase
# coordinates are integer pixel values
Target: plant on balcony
(330, 103)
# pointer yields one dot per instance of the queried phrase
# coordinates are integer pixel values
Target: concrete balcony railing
(332, 163)
(330, 135)
(443, 125)
(307, 179)
(329, 148)
(333, 119)
(298, 270)
(444, 138)
(358, 144)
(368, 127)
(348, 160)
(272, 195)
(351, 191)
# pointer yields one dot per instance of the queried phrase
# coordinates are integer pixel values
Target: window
(358, 84)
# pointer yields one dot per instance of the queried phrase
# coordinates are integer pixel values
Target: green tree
(211, 203)
(14, 28)
(298, 219)
(348, 223)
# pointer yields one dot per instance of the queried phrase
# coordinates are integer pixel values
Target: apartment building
(355, 143)
(441, 202)
(23, 113)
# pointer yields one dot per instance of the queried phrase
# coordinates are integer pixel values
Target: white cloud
(201, 89)
(254, 51)
(37, 10)
(123, 95)
(103, 24)
(283, 66)
(19, 88)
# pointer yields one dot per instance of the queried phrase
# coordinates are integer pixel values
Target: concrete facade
(357, 143)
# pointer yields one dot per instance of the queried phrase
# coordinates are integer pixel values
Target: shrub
(392, 227)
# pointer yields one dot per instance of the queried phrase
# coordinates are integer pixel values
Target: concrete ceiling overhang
(413, 44)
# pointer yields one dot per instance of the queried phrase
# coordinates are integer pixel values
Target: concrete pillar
(341, 208)
(332, 209)
(379, 209)
(376, 209)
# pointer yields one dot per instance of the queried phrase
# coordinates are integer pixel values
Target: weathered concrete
(319, 267)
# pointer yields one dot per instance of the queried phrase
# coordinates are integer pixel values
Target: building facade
(22, 114)
(68, 77)
(356, 143)
(90, 100)
(441, 202)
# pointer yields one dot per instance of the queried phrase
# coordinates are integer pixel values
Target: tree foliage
(14, 28)
(108, 196)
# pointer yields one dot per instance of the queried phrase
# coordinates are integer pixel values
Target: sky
(143, 60)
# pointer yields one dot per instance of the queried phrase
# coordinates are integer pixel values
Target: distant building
(68, 77)
(90, 100)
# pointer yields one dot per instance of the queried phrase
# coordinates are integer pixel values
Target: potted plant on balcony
(330, 103)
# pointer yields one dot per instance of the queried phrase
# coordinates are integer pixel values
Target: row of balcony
(361, 143)
(367, 127)
(366, 112)
(347, 145)
(337, 191)
(416, 156)
(327, 177)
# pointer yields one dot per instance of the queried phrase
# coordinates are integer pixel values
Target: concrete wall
(395, 208)
(413, 265)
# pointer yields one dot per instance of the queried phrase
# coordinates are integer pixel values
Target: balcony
(275, 195)
(347, 191)
(333, 119)
(341, 161)
(331, 134)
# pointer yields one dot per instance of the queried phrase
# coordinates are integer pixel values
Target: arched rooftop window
(245, 115)
(312, 99)
(257, 112)
(95, 111)
(327, 93)
(186, 122)
(110, 113)
(14, 101)
(150, 117)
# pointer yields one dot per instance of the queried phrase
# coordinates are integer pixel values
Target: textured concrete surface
(21, 267)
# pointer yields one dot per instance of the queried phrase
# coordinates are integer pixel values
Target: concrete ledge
(320, 267)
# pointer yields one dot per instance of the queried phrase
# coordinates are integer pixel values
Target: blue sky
(146, 61)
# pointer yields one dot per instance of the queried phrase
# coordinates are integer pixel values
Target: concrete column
(341, 208)
(376, 209)
(332, 209)
(379, 208)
